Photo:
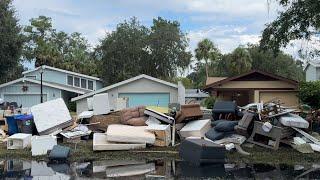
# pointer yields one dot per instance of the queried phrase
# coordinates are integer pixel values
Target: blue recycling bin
(24, 123)
(12, 125)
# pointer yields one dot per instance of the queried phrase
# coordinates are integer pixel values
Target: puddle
(140, 169)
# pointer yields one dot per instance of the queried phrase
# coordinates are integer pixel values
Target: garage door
(289, 98)
(27, 100)
(147, 99)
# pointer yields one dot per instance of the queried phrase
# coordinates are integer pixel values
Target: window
(84, 83)
(76, 81)
(31, 77)
(90, 85)
(70, 80)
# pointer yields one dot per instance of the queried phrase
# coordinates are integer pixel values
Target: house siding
(139, 86)
(312, 73)
(33, 89)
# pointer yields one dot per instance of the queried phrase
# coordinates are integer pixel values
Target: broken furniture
(40, 145)
(51, 116)
(162, 133)
(160, 116)
(19, 141)
(59, 153)
(100, 104)
(196, 128)
(200, 151)
(189, 112)
(224, 110)
(101, 122)
(133, 116)
(24, 123)
(129, 134)
(221, 128)
(276, 133)
(100, 143)
(243, 125)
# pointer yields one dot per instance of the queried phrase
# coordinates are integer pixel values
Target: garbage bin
(24, 123)
(12, 125)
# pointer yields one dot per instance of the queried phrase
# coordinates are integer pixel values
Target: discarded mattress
(159, 116)
(51, 116)
(129, 170)
(129, 134)
(100, 104)
(293, 120)
(100, 143)
(196, 128)
(200, 151)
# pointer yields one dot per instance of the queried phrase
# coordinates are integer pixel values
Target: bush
(72, 106)
(209, 102)
(309, 93)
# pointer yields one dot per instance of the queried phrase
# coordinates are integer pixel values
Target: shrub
(209, 102)
(309, 93)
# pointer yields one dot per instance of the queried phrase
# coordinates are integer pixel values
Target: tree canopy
(133, 49)
(47, 46)
(299, 20)
(11, 41)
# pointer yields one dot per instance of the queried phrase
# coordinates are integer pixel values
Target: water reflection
(142, 169)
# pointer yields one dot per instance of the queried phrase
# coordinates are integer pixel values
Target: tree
(280, 64)
(11, 41)
(309, 93)
(299, 20)
(206, 51)
(124, 52)
(133, 49)
(238, 62)
(168, 45)
(54, 48)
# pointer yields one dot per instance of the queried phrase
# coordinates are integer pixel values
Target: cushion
(214, 123)
(226, 126)
(212, 134)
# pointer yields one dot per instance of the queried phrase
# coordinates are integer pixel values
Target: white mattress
(129, 134)
(100, 143)
(50, 116)
(293, 120)
(196, 128)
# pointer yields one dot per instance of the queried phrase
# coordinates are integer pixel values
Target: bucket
(12, 125)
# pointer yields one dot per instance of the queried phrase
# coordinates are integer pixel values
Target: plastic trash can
(12, 125)
(24, 123)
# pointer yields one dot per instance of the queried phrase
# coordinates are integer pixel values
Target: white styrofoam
(293, 120)
(89, 103)
(129, 134)
(196, 128)
(100, 143)
(40, 145)
(85, 114)
(50, 116)
(100, 103)
(19, 141)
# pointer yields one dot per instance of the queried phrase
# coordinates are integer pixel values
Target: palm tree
(239, 61)
(206, 51)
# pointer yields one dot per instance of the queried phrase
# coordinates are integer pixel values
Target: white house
(312, 70)
(140, 90)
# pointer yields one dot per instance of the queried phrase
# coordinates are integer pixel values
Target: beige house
(254, 86)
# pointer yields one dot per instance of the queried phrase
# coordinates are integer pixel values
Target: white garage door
(26, 100)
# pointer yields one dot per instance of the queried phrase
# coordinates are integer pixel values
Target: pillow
(213, 135)
(214, 123)
(226, 126)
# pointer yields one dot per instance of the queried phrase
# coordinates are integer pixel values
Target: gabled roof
(211, 80)
(49, 84)
(61, 70)
(122, 83)
(276, 77)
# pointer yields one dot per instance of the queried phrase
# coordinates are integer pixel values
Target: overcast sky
(228, 23)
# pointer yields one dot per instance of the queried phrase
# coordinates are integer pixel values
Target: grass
(83, 152)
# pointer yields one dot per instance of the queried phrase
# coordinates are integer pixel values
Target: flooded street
(140, 169)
